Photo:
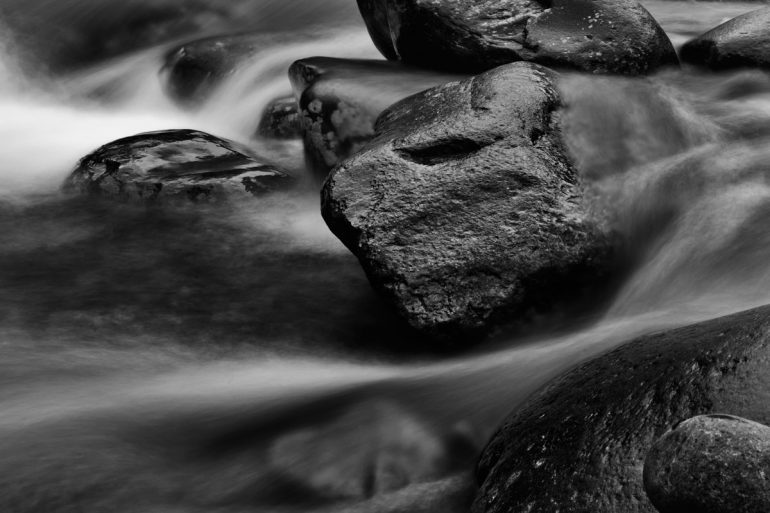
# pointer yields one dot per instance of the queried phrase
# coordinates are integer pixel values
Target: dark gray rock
(711, 464)
(340, 99)
(598, 36)
(741, 42)
(280, 120)
(193, 70)
(174, 165)
(579, 445)
(464, 210)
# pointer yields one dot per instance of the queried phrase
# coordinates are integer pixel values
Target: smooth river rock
(464, 210)
(743, 42)
(711, 464)
(192, 71)
(580, 444)
(280, 120)
(174, 165)
(340, 99)
(598, 36)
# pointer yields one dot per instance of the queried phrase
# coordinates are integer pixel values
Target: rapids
(161, 360)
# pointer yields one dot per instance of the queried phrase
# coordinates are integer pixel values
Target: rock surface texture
(340, 100)
(174, 165)
(280, 120)
(464, 209)
(598, 36)
(741, 42)
(711, 464)
(580, 444)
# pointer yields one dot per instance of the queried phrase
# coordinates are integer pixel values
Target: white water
(158, 362)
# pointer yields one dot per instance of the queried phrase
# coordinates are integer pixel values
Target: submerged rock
(340, 99)
(174, 164)
(464, 210)
(580, 444)
(713, 464)
(370, 450)
(280, 120)
(599, 36)
(741, 42)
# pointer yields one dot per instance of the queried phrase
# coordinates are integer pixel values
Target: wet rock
(194, 70)
(370, 450)
(713, 464)
(464, 210)
(340, 99)
(580, 444)
(280, 120)
(174, 165)
(741, 42)
(598, 36)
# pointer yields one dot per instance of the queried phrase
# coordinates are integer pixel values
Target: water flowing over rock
(372, 449)
(580, 444)
(193, 71)
(173, 165)
(614, 124)
(280, 120)
(340, 99)
(741, 42)
(599, 36)
(712, 463)
(464, 209)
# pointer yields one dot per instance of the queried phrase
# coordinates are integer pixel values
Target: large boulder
(340, 99)
(173, 165)
(580, 444)
(598, 36)
(464, 210)
(711, 464)
(741, 42)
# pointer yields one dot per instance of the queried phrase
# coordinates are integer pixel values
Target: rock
(598, 36)
(713, 464)
(174, 164)
(193, 71)
(340, 99)
(741, 42)
(464, 210)
(370, 450)
(579, 445)
(280, 120)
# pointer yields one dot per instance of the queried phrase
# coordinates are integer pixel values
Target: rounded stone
(174, 165)
(710, 464)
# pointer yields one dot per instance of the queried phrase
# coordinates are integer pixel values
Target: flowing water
(233, 359)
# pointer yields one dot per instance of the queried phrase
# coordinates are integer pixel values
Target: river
(233, 359)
